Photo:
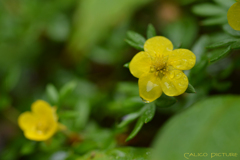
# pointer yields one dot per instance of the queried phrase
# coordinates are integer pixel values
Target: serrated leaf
(165, 101)
(135, 45)
(149, 112)
(136, 129)
(214, 21)
(236, 45)
(220, 55)
(228, 29)
(126, 65)
(136, 37)
(221, 43)
(52, 94)
(190, 89)
(151, 31)
(208, 9)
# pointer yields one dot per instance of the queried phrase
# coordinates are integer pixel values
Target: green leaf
(126, 153)
(147, 113)
(236, 45)
(190, 89)
(136, 129)
(135, 45)
(228, 29)
(128, 119)
(199, 48)
(165, 101)
(28, 148)
(209, 126)
(67, 89)
(208, 9)
(151, 31)
(214, 21)
(136, 37)
(221, 43)
(126, 65)
(52, 94)
(227, 4)
(220, 55)
(82, 110)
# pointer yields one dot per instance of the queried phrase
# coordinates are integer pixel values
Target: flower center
(159, 65)
(42, 127)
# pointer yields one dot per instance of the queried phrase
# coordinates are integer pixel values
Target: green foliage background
(71, 53)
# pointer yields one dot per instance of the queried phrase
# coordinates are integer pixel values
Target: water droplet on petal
(179, 75)
(182, 84)
(145, 101)
(172, 75)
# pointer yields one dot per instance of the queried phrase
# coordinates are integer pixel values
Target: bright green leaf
(210, 126)
(128, 119)
(214, 21)
(135, 45)
(136, 129)
(67, 89)
(227, 4)
(236, 45)
(221, 43)
(190, 89)
(82, 110)
(52, 94)
(149, 113)
(220, 55)
(126, 65)
(136, 37)
(151, 31)
(228, 29)
(208, 9)
(165, 101)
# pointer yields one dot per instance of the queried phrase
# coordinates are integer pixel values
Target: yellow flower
(159, 67)
(233, 16)
(41, 123)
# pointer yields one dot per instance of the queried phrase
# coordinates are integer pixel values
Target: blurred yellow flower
(159, 67)
(233, 16)
(41, 123)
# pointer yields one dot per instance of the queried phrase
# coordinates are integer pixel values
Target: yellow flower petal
(174, 82)
(233, 16)
(158, 45)
(182, 59)
(42, 108)
(149, 87)
(27, 121)
(41, 135)
(140, 64)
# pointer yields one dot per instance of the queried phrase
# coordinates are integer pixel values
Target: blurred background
(46, 45)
